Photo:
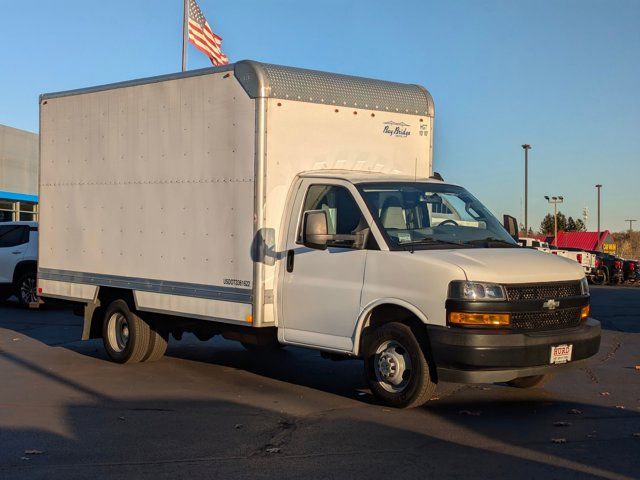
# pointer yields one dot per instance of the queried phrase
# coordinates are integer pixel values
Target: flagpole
(185, 27)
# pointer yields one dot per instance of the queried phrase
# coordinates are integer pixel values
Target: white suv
(18, 261)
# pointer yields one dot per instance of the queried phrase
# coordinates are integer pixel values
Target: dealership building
(18, 174)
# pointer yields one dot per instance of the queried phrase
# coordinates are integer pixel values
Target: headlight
(461, 290)
(584, 286)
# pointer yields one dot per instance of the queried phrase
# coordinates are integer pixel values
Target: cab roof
(364, 176)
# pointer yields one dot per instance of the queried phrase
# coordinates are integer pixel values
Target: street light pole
(630, 223)
(526, 147)
(555, 201)
(599, 186)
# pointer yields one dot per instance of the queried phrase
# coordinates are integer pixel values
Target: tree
(562, 222)
(575, 225)
(546, 227)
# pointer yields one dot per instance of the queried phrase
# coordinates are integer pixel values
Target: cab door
(321, 289)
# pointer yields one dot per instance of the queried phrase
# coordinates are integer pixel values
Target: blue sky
(562, 75)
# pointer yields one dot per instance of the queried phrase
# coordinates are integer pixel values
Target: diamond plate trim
(262, 80)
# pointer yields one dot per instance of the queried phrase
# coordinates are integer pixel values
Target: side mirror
(315, 229)
(511, 225)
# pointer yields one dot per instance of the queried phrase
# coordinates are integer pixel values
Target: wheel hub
(392, 366)
(118, 332)
(28, 290)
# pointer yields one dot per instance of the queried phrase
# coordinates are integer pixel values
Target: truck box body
(174, 186)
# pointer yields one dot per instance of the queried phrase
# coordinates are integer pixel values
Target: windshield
(432, 215)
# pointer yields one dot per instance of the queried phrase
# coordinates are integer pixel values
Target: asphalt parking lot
(214, 410)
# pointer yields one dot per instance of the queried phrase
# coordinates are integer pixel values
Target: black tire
(125, 335)
(26, 289)
(396, 368)
(599, 280)
(158, 342)
(530, 382)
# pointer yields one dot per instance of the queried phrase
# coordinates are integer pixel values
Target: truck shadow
(137, 435)
(298, 366)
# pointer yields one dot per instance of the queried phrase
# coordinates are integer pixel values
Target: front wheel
(395, 367)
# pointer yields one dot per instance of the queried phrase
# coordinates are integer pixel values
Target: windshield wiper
(494, 241)
(433, 241)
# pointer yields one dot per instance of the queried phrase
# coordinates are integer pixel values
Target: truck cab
(419, 279)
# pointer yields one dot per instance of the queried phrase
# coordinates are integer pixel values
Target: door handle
(290, 255)
(16, 253)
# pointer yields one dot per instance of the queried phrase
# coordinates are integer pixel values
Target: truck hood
(509, 265)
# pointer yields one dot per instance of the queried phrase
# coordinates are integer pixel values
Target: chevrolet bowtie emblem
(551, 304)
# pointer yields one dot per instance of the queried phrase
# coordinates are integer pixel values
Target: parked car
(598, 275)
(533, 243)
(630, 271)
(18, 261)
(584, 258)
(609, 269)
(618, 272)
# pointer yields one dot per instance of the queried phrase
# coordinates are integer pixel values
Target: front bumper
(467, 355)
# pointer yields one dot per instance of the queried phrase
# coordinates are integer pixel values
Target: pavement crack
(279, 437)
(593, 378)
(617, 343)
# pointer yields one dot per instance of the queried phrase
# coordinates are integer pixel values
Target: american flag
(201, 36)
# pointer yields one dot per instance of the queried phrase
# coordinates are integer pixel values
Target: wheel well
(106, 295)
(22, 268)
(387, 313)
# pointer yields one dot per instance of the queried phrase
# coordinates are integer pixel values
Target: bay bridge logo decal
(396, 129)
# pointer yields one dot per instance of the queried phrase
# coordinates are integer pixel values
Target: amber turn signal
(489, 319)
(584, 313)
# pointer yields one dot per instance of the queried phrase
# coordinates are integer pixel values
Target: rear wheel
(158, 341)
(530, 382)
(396, 368)
(27, 292)
(125, 335)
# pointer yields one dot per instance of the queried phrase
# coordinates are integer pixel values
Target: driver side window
(343, 214)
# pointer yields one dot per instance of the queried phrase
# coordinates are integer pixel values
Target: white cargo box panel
(169, 186)
(151, 187)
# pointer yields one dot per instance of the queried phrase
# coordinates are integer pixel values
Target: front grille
(553, 320)
(542, 291)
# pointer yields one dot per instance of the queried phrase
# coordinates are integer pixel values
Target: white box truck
(282, 206)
